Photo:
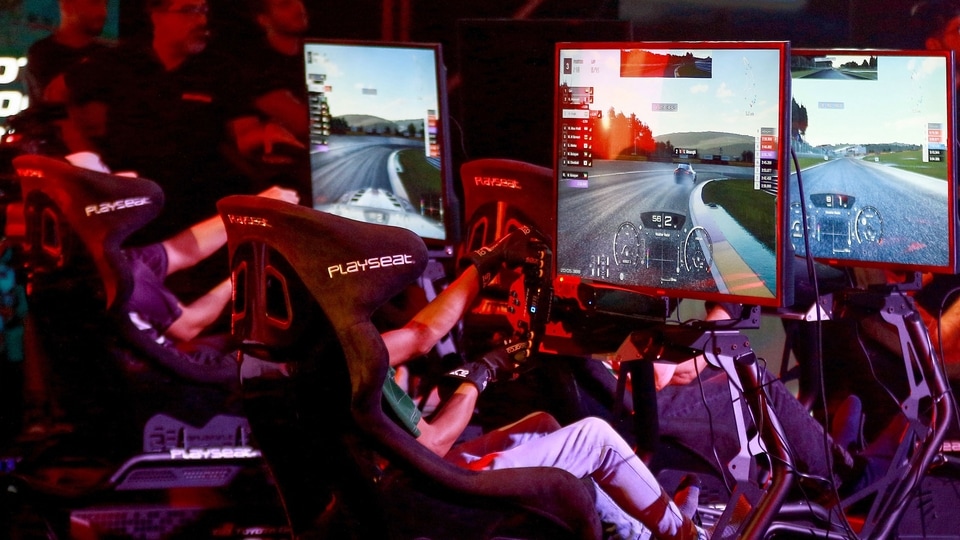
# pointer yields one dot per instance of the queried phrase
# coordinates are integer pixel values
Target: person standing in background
(171, 109)
(274, 67)
(271, 71)
(76, 38)
(42, 124)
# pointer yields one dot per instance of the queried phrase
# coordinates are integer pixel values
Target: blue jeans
(702, 419)
(700, 416)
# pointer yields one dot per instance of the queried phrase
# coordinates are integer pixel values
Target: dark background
(498, 53)
(839, 23)
(500, 71)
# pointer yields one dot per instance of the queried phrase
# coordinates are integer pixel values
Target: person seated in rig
(628, 497)
(155, 310)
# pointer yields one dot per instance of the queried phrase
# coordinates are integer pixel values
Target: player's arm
(444, 428)
(201, 313)
(520, 246)
(446, 425)
(203, 239)
(283, 108)
(434, 321)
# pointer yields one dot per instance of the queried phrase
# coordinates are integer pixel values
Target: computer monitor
(873, 132)
(379, 140)
(669, 165)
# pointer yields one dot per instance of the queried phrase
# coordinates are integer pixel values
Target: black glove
(521, 246)
(496, 364)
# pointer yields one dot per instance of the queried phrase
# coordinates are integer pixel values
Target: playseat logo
(107, 207)
(226, 452)
(492, 181)
(32, 173)
(253, 221)
(950, 446)
(372, 263)
(516, 347)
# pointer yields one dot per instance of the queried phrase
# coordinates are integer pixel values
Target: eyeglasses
(194, 10)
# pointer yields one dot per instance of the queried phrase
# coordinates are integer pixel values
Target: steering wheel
(516, 303)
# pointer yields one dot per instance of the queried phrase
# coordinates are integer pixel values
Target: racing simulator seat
(163, 430)
(913, 495)
(503, 194)
(916, 494)
(500, 195)
(313, 372)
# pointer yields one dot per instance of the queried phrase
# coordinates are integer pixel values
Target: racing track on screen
(911, 209)
(620, 191)
(353, 163)
(357, 177)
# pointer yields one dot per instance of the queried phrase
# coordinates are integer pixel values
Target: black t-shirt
(48, 58)
(168, 126)
(155, 115)
(264, 70)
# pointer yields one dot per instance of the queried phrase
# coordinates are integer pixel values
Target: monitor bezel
(782, 291)
(952, 266)
(438, 248)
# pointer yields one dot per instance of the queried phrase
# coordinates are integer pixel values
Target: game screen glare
(669, 161)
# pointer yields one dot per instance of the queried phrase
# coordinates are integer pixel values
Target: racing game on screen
(668, 169)
(871, 132)
(376, 147)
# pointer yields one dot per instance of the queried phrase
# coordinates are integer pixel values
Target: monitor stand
(432, 281)
(927, 408)
(725, 347)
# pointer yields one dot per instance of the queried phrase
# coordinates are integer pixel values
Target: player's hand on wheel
(503, 361)
(521, 246)
(496, 364)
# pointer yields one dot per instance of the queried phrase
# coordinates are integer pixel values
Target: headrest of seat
(102, 209)
(502, 194)
(495, 179)
(351, 268)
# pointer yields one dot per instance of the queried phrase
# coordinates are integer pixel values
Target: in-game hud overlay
(668, 168)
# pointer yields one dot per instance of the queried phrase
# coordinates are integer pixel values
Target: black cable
(713, 436)
(818, 338)
(873, 372)
(463, 144)
(942, 357)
